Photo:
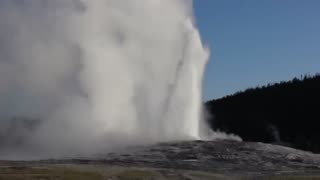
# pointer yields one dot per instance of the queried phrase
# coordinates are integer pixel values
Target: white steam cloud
(81, 75)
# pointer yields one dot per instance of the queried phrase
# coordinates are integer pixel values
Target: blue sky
(254, 42)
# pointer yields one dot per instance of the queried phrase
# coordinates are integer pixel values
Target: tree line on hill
(286, 113)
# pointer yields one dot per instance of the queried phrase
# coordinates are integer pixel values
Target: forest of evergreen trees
(286, 113)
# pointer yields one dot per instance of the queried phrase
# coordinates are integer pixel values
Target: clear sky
(254, 42)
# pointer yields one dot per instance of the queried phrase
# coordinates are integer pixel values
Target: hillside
(282, 113)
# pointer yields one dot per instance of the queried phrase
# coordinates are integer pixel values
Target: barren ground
(180, 160)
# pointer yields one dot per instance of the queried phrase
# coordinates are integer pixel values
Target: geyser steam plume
(86, 74)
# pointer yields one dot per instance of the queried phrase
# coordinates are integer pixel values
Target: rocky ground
(179, 160)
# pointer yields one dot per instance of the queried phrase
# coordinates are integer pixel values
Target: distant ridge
(285, 113)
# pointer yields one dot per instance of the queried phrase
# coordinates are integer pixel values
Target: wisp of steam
(79, 76)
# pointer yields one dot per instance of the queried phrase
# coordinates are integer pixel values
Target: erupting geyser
(98, 73)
